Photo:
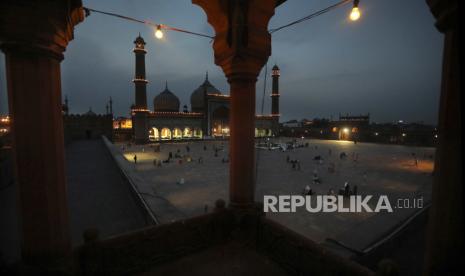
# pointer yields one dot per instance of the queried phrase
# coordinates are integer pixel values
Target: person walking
(346, 189)
(135, 159)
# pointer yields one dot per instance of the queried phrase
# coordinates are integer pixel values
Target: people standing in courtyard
(343, 155)
(135, 159)
(316, 179)
(307, 191)
(346, 188)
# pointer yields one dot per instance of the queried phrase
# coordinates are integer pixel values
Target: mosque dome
(166, 101)
(198, 96)
(90, 112)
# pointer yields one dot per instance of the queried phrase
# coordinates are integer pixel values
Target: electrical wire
(166, 27)
(310, 16)
(161, 26)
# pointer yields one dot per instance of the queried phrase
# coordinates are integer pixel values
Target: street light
(355, 13)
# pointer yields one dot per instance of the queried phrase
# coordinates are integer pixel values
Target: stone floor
(389, 170)
(229, 259)
(98, 196)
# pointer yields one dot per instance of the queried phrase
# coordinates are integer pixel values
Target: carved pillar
(242, 46)
(445, 229)
(33, 36)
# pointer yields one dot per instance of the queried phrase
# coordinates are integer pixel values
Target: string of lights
(158, 27)
(354, 15)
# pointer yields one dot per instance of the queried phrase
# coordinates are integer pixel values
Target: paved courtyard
(379, 170)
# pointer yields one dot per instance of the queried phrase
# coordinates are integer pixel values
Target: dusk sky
(388, 63)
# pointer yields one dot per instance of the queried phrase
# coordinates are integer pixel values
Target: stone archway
(198, 133)
(220, 122)
(176, 133)
(154, 134)
(187, 133)
(165, 134)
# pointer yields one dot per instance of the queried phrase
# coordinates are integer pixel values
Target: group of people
(295, 164)
(346, 190)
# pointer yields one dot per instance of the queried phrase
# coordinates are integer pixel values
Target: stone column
(242, 46)
(445, 229)
(33, 36)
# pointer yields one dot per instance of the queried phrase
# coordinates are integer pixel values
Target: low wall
(150, 216)
(140, 250)
(300, 255)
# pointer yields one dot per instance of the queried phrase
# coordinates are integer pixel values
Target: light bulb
(158, 32)
(355, 14)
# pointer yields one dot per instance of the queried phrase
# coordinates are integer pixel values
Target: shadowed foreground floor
(232, 258)
(98, 195)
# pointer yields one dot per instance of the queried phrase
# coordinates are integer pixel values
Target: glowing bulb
(355, 14)
(158, 32)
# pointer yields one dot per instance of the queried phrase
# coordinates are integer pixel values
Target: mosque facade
(208, 116)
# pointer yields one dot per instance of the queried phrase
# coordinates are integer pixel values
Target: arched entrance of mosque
(154, 134)
(187, 133)
(165, 134)
(197, 133)
(344, 133)
(177, 133)
(220, 122)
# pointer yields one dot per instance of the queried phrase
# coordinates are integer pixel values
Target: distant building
(208, 117)
(359, 128)
(87, 126)
(4, 125)
(349, 127)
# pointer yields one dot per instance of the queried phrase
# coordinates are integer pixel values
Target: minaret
(111, 106)
(140, 110)
(275, 92)
(66, 107)
(275, 73)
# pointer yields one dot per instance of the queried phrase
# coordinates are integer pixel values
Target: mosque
(208, 116)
